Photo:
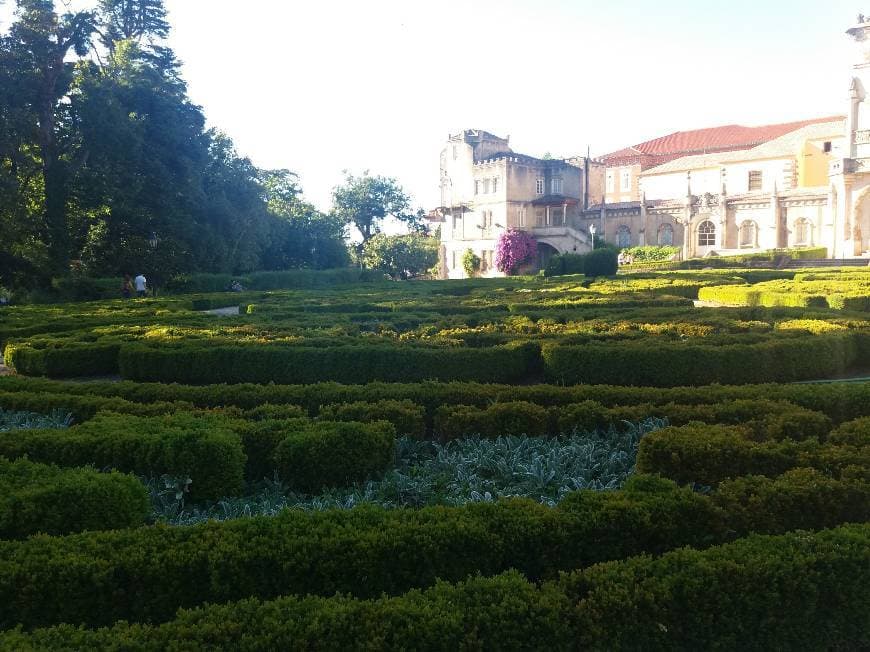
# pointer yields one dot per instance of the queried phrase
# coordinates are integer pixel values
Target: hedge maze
(527, 463)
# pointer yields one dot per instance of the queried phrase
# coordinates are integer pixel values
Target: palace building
(715, 191)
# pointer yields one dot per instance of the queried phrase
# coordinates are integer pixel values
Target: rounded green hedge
(42, 498)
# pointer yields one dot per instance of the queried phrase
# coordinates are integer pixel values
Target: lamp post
(592, 232)
(153, 241)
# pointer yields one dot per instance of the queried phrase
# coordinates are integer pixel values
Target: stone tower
(849, 215)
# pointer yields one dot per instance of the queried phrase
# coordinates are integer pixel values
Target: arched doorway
(860, 226)
(545, 252)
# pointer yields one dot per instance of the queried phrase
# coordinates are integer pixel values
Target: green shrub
(651, 253)
(839, 401)
(329, 454)
(856, 433)
(668, 365)
(268, 411)
(72, 360)
(349, 364)
(496, 420)
(407, 417)
(765, 419)
(83, 407)
(42, 498)
(600, 262)
(470, 262)
(182, 445)
(798, 591)
(800, 498)
(87, 578)
(260, 439)
(708, 454)
(794, 591)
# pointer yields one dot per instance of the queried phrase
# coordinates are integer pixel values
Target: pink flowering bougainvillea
(514, 248)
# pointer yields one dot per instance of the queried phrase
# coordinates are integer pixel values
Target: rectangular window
(556, 186)
(454, 260)
(827, 147)
(539, 186)
(521, 217)
(625, 181)
(540, 217)
(754, 180)
(495, 184)
(610, 183)
(486, 186)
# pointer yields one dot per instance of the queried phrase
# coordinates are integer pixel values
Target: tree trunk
(52, 173)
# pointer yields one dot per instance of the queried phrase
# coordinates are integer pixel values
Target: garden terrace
(565, 461)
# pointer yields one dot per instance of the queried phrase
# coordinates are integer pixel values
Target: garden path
(223, 312)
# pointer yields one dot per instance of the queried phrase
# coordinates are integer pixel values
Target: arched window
(666, 235)
(803, 232)
(706, 234)
(623, 237)
(748, 234)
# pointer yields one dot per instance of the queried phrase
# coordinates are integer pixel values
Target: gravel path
(223, 312)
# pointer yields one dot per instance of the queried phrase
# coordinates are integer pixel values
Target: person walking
(127, 287)
(141, 286)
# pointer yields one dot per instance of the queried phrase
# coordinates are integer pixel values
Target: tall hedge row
(185, 445)
(146, 574)
(673, 364)
(345, 364)
(796, 591)
(840, 401)
(709, 454)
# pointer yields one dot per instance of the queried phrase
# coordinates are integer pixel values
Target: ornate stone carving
(860, 34)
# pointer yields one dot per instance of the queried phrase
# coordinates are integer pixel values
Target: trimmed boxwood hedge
(672, 364)
(796, 591)
(799, 499)
(185, 445)
(511, 418)
(708, 454)
(856, 433)
(348, 364)
(335, 454)
(839, 401)
(408, 418)
(82, 406)
(68, 360)
(146, 574)
(43, 498)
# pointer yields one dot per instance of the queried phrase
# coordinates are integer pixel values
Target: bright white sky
(319, 86)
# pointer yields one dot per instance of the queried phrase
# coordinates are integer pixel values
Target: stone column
(643, 218)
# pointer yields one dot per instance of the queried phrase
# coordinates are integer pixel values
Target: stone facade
(805, 185)
(716, 191)
(487, 188)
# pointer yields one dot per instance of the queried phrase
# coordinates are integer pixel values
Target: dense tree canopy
(400, 256)
(366, 201)
(100, 147)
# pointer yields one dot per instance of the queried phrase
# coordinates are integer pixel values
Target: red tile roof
(700, 141)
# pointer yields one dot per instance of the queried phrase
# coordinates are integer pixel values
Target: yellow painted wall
(812, 165)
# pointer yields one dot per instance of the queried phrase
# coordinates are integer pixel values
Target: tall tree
(39, 42)
(366, 201)
(131, 20)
